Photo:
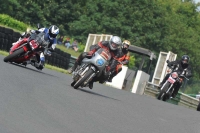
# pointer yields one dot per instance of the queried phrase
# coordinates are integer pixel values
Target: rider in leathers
(183, 68)
(50, 35)
(111, 46)
(122, 58)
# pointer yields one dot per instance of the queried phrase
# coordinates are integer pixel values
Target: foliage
(81, 48)
(131, 62)
(13, 23)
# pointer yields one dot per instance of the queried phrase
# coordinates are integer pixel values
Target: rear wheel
(13, 55)
(163, 91)
(83, 79)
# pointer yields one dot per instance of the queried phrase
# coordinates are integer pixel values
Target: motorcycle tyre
(161, 94)
(13, 55)
(85, 77)
(73, 83)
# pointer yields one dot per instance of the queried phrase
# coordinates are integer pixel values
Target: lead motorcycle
(168, 87)
(92, 67)
(26, 48)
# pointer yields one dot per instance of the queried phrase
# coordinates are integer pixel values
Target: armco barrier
(58, 58)
(72, 61)
(181, 99)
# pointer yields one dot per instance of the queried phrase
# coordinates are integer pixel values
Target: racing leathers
(121, 58)
(40, 56)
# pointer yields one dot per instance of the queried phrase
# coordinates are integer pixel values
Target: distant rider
(183, 68)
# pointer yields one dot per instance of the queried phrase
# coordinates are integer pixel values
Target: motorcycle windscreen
(42, 39)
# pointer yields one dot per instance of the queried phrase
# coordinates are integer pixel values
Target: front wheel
(163, 91)
(13, 55)
(72, 84)
(83, 79)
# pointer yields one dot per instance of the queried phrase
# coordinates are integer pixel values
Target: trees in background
(158, 25)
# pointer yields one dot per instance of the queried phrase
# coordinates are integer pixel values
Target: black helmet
(53, 31)
(185, 59)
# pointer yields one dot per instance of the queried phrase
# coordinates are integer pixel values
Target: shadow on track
(87, 91)
(38, 71)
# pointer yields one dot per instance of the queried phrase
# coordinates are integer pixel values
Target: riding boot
(73, 68)
(176, 89)
(78, 62)
(91, 84)
(112, 75)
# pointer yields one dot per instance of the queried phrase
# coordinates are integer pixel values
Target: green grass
(70, 51)
(4, 53)
(56, 68)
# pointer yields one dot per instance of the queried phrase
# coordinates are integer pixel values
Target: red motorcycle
(26, 48)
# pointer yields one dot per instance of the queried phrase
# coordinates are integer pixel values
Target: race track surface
(33, 101)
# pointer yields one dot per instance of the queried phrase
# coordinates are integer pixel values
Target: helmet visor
(52, 35)
(125, 45)
(185, 61)
(114, 45)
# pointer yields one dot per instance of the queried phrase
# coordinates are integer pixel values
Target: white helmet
(53, 31)
(115, 42)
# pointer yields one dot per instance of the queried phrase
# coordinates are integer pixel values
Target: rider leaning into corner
(183, 67)
(112, 45)
(50, 34)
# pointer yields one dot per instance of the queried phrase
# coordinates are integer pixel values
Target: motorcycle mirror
(167, 61)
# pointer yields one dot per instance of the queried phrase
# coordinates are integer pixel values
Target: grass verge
(70, 51)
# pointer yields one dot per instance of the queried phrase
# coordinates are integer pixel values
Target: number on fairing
(171, 80)
(33, 44)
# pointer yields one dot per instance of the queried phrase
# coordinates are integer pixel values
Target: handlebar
(184, 77)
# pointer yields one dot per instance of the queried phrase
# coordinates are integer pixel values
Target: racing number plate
(33, 44)
(171, 80)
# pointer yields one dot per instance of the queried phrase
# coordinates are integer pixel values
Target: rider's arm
(188, 72)
(52, 45)
(95, 47)
(40, 30)
(126, 59)
(172, 63)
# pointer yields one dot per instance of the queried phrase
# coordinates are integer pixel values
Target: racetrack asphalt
(33, 101)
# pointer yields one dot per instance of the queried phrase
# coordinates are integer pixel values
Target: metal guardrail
(181, 99)
(72, 61)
